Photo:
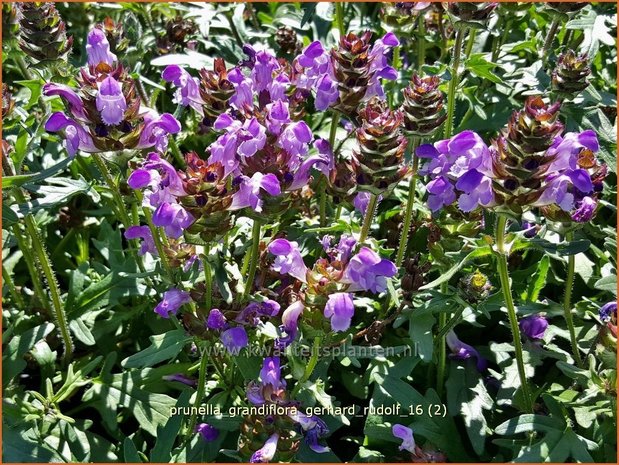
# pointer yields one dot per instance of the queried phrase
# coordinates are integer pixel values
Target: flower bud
(471, 13)
(423, 106)
(42, 32)
(287, 39)
(475, 286)
(570, 75)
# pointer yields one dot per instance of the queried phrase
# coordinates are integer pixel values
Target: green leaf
(420, 324)
(163, 347)
(166, 435)
(57, 192)
(81, 331)
(538, 281)
(446, 276)
(19, 447)
(482, 68)
(12, 356)
(562, 248)
(607, 283)
(23, 179)
(35, 86)
(130, 452)
(467, 395)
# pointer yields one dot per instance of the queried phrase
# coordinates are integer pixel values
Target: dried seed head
(42, 32)
(423, 106)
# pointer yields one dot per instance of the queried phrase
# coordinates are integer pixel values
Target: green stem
(50, 277)
(470, 42)
(208, 283)
(369, 216)
(26, 250)
(442, 348)
(453, 83)
(409, 204)
(339, 17)
(199, 396)
(176, 151)
(421, 43)
(23, 67)
(253, 260)
(503, 271)
(309, 368)
(449, 325)
(554, 26)
(567, 301)
(8, 280)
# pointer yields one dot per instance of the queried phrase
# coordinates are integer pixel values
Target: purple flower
(252, 313)
(530, 229)
(533, 326)
(216, 319)
(262, 72)
(585, 210)
(441, 192)
(234, 339)
(313, 429)
(340, 310)
(76, 106)
(173, 218)
(362, 200)
(267, 452)
(327, 93)
(608, 312)
(462, 351)
(173, 299)
(209, 433)
(271, 373)
(406, 435)
(248, 194)
(477, 190)
(366, 271)
(290, 325)
(181, 378)
(76, 137)
(111, 101)
(295, 138)
(162, 179)
(98, 48)
(277, 116)
(288, 259)
(142, 232)
(326, 153)
(188, 92)
(156, 130)
(243, 86)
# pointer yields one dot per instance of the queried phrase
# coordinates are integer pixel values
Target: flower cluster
(263, 143)
(330, 284)
(105, 113)
(347, 75)
(530, 165)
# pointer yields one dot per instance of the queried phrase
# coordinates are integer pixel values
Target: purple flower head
(608, 312)
(366, 271)
(267, 452)
(76, 137)
(462, 351)
(533, 326)
(262, 72)
(566, 149)
(173, 218)
(76, 106)
(209, 433)
(98, 48)
(585, 210)
(290, 323)
(181, 378)
(313, 429)
(156, 130)
(288, 259)
(234, 339)
(216, 320)
(188, 87)
(311, 57)
(340, 310)
(252, 313)
(111, 101)
(379, 64)
(142, 232)
(248, 194)
(172, 300)
(161, 178)
(406, 435)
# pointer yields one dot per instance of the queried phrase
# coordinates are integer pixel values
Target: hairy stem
(567, 302)
(369, 216)
(421, 42)
(208, 283)
(199, 395)
(339, 18)
(442, 347)
(309, 368)
(503, 271)
(409, 203)
(253, 260)
(552, 32)
(453, 83)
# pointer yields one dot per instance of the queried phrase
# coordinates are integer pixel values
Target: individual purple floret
(234, 339)
(98, 48)
(366, 271)
(142, 232)
(209, 433)
(216, 320)
(172, 300)
(266, 453)
(313, 429)
(406, 435)
(533, 326)
(288, 259)
(340, 310)
(462, 351)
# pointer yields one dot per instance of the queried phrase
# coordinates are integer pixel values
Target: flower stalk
(253, 258)
(554, 26)
(442, 347)
(199, 395)
(369, 216)
(414, 142)
(567, 302)
(453, 83)
(503, 272)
